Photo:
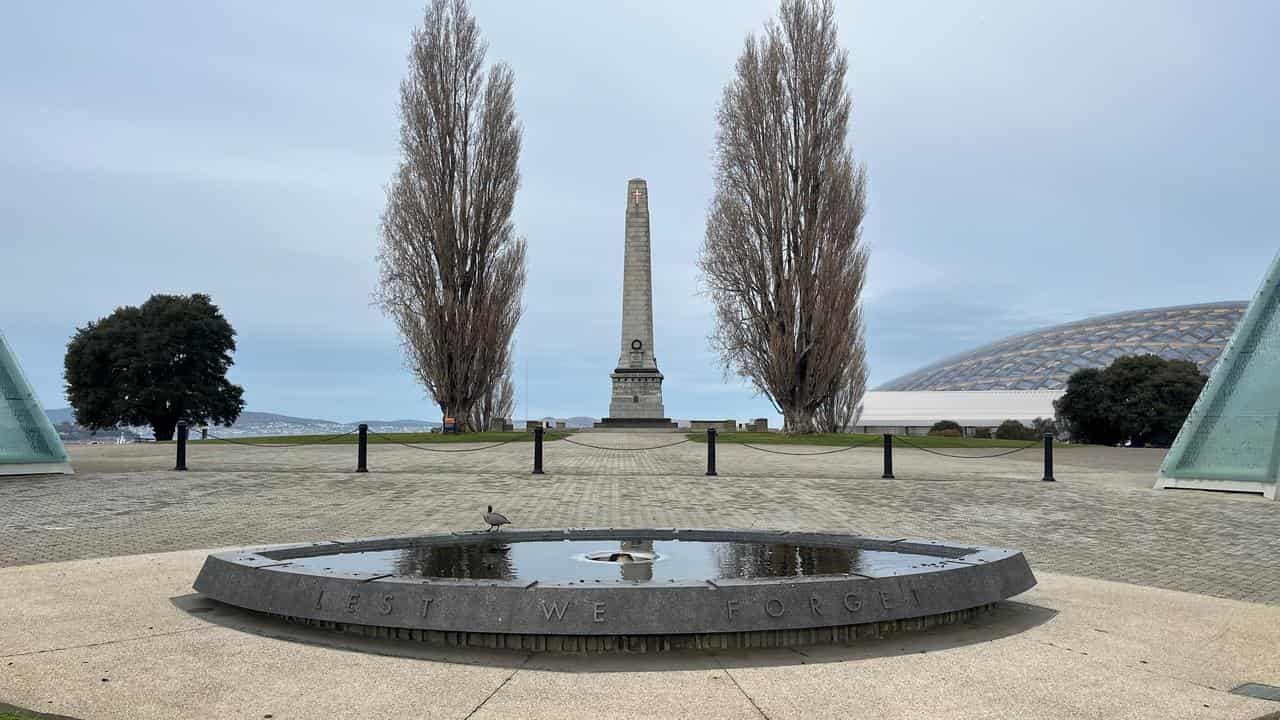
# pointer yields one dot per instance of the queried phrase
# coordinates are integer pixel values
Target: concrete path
(1100, 520)
(123, 638)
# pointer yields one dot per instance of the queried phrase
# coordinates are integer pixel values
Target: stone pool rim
(965, 577)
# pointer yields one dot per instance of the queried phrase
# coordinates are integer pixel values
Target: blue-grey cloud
(1030, 163)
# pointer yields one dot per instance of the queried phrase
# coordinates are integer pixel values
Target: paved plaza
(1151, 604)
(1100, 520)
(125, 638)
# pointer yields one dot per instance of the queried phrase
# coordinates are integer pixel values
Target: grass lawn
(843, 439)
(9, 712)
(380, 438)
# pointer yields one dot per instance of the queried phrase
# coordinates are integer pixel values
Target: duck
(495, 520)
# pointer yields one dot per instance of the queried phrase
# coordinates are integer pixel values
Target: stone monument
(637, 384)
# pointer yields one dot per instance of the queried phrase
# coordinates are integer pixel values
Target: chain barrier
(393, 441)
(806, 454)
(279, 446)
(624, 449)
(903, 438)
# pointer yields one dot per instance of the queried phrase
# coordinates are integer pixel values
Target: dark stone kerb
(961, 579)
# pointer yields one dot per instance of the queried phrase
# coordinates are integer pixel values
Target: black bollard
(362, 454)
(537, 450)
(888, 457)
(181, 464)
(711, 451)
(1048, 458)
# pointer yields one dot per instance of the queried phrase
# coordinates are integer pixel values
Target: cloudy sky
(1030, 163)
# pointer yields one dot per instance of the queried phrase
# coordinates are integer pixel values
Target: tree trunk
(460, 417)
(796, 421)
(163, 429)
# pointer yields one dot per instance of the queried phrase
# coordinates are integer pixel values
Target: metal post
(181, 464)
(362, 454)
(1048, 458)
(711, 451)
(537, 450)
(888, 457)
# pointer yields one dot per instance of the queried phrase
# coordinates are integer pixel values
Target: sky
(1029, 163)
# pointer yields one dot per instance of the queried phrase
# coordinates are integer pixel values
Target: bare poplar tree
(499, 402)
(452, 268)
(843, 406)
(783, 259)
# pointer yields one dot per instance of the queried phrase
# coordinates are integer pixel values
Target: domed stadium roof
(1044, 359)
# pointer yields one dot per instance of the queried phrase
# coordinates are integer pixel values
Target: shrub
(1041, 426)
(1014, 430)
(946, 428)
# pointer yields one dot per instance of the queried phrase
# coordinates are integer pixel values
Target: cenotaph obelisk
(637, 384)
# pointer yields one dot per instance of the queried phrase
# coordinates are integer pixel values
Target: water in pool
(568, 561)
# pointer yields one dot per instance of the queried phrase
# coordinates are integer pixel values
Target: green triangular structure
(28, 443)
(1231, 439)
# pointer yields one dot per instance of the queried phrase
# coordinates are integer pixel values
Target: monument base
(1267, 490)
(636, 423)
(59, 468)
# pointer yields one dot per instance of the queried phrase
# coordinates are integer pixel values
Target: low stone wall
(637, 644)
(720, 425)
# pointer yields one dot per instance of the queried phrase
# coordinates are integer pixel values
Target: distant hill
(250, 417)
(64, 422)
(265, 423)
(397, 423)
(252, 422)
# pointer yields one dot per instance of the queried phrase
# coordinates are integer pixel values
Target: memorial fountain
(630, 590)
(634, 590)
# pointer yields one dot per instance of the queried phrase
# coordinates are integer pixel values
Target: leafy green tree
(1153, 396)
(156, 365)
(1088, 408)
(1142, 399)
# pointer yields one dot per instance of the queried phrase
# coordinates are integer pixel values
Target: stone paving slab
(1101, 520)
(1071, 648)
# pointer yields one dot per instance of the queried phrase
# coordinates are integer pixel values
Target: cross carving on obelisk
(635, 195)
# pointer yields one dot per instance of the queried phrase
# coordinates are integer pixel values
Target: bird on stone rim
(495, 520)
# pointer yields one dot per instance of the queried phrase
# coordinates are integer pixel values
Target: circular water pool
(602, 589)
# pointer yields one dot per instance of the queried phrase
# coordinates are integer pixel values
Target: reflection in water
(748, 560)
(487, 561)
(563, 561)
(637, 571)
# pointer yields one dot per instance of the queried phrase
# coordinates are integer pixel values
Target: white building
(914, 412)
(1019, 377)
